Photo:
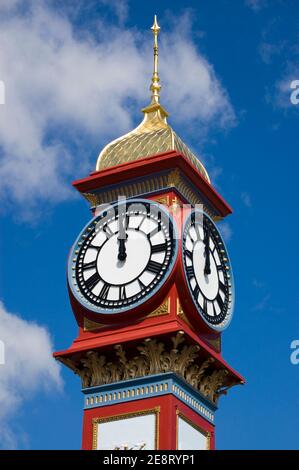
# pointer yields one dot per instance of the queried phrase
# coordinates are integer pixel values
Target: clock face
(122, 256)
(207, 270)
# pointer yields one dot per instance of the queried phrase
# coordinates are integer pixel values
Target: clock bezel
(225, 323)
(127, 308)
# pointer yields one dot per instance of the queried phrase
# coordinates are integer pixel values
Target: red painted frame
(169, 407)
(149, 166)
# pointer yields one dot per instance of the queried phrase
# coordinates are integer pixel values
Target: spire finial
(155, 85)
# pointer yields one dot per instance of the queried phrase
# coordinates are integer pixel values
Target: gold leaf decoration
(155, 357)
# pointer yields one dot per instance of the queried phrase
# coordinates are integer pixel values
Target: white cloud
(284, 54)
(256, 5)
(225, 230)
(190, 84)
(28, 369)
(2, 92)
(263, 303)
(120, 8)
(269, 50)
(246, 199)
(259, 284)
(9, 5)
(284, 96)
(69, 91)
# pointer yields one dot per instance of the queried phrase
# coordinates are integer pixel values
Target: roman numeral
(104, 292)
(219, 267)
(196, 291)
(108, 231)
(122, 293)
(219, 301)
(141, 222)
(92, 281)
(190, 271)
(222, 287)
(94, 247)
(205, 305)
(141, 285)
(154, 267)
(91, 265)
(159, 248)
(153, 232)
(214, 310)
(188, 253)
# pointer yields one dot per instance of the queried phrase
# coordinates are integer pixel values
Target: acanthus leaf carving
(195, 373)
(155, 358)
(152, 352)
(211, 384)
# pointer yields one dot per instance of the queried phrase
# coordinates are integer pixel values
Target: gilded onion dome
(153, 135)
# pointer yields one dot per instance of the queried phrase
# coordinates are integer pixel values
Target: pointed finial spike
(155, 27)
(155, 85)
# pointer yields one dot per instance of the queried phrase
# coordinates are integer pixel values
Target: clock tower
(151, 287)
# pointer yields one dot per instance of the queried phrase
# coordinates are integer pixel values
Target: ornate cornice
(150, 185)
(153, 357)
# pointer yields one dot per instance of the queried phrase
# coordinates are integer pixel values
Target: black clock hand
(207, 269)
(122, 236)
(122, 254)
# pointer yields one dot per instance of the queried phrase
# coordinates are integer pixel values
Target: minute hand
(207, 269)
(122, 236)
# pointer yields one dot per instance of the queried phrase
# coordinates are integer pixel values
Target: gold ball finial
(155, 85)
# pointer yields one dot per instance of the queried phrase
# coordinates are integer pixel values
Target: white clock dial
(208, 270)
(122, 256)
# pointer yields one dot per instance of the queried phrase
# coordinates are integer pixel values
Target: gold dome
(152, 136)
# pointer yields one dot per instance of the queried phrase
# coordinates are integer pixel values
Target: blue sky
(76, 77)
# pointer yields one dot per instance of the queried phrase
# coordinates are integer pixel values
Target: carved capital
(155, 357)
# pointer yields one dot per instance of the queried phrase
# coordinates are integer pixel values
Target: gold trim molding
(207, 434)
(163, 309)
(96, 421)
(181, 314)
(90, 325)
